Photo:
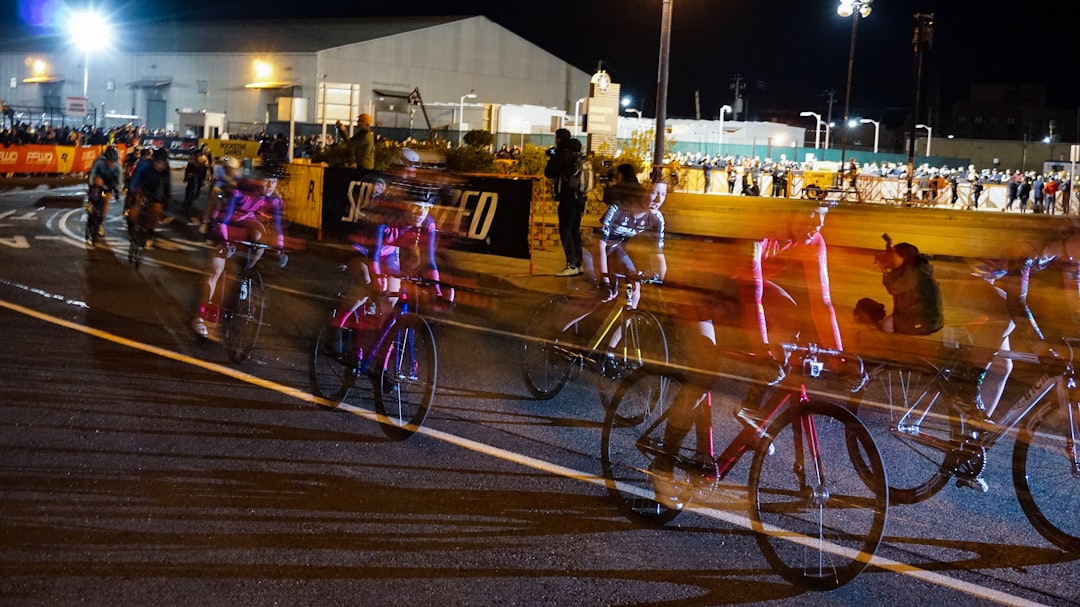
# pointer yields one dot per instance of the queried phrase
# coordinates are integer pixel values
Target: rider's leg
(207, 287)
(357, 293)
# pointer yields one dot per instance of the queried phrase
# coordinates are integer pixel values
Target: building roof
(278, 36)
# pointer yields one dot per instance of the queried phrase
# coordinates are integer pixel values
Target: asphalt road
(141, 467)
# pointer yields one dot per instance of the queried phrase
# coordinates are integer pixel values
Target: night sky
(790, 52)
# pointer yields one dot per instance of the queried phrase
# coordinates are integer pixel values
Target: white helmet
(407, 157)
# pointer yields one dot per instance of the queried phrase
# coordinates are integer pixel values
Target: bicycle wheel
(407, 378)
(817, 519)
(641, 341)
(135, 245)
(633, 440)
(93, 222)
(333, 363)
(914, 424)
(1045, 475)
(546, 362)
(244, 318)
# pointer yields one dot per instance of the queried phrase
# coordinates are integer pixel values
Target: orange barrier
(37, 158)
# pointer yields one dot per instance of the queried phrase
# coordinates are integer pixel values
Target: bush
(479, 139)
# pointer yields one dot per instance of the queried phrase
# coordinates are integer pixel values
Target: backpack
(583, 179)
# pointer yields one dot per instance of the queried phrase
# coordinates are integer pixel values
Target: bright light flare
(89, 30)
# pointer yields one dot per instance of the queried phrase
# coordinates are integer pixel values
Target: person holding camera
(909, 277)
(562, 162)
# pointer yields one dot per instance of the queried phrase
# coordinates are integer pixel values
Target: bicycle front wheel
(244, 318)
(817, 519)
(406, 382)
(1045, 473)
(93, 222)
(546, 361)
(333, 363)
(914, 425)
(633, 441)
(641, 341)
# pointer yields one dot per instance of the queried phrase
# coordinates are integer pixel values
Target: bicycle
(816, 514)
(242, 316)
(139, 230)
(396, 346)
(95, 214)
(930, 429)
(552, 352)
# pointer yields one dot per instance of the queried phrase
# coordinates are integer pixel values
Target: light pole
(577, 116)
(817, 131)
(724, 109)
(661, 90)
(87, 30)
(461, 114)
(846, 9)
(828, 127)
(877, 127)
(929, 131)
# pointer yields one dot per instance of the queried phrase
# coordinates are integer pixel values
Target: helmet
(160, 154)
(271, 170)
(111, 154)
(407, 157)
(232, 163)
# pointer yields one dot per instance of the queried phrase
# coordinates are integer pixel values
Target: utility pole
(738, 85)
(924, 38)
(831, 94)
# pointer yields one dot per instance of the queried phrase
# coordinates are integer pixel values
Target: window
(202, 86)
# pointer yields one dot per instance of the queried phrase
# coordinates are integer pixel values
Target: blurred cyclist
(150, 189)
(226, 175)
(105, 181)
(254, 215)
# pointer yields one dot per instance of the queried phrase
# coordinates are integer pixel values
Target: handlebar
(840, 362)
(640, 277)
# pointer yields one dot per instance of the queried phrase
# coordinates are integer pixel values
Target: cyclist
(105, 181)
(226, 174)
(799, 239)
(253, 214)
(150, 189)
(633, 212)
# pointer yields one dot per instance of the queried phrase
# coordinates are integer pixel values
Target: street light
(817, 131)
(929, 131)
(877, 127)
(577, 116)
(635, 110)
(724, 109)
(828, 127)
(461, 114)
(846, 9)
(88, 31)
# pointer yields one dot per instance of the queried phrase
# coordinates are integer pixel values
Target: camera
(550, 151)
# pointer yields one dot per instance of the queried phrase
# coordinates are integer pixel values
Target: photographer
(562, 162)
(909, 277)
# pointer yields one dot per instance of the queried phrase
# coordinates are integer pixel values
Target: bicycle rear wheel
(407, 378)
(93, 222)
(244, 318)
(914, 424)
(642, 341)
(817, 519)
(137, 240)
(546, 362)
(1045, 475)
(633, 440)
(333, 363)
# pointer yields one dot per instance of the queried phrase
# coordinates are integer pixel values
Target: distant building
(244, 69)
(1009, 112)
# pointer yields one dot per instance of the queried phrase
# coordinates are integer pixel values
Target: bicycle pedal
(978, 483)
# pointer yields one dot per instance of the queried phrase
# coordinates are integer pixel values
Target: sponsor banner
(302, 192)
(485, 215)
(83, 157)
(177, 146)
(240, 148)
(35, 158)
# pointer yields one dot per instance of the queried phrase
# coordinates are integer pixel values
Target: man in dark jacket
(561, 165)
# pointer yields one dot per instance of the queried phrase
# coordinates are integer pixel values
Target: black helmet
(111, 154)
(160, 154)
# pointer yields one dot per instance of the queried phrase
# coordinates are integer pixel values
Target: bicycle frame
(611, 324)
(401, 308)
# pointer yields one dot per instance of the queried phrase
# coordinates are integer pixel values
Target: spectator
(561, 165)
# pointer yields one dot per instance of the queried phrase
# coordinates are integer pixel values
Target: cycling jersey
(111, 178)
(251, 206)
(618, 226)
(390, 238)
(151, 183)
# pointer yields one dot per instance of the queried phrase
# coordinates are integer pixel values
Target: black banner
(486, 215)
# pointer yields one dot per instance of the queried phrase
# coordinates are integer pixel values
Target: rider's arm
(821, 306)
(376, 257)
(430, 240)
(226, 215)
